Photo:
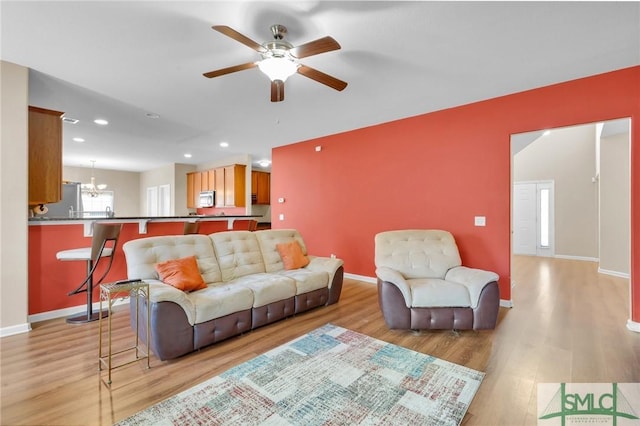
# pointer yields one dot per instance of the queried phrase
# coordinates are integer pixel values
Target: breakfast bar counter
(50, 280)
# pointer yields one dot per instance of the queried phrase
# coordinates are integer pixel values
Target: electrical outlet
(480, 221)
(281, 217)
(333, 256)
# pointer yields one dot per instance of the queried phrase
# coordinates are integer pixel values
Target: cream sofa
(423, 285)
(247, 286)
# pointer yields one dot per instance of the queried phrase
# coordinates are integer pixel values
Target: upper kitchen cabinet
(234, 186)
(198, 182)
(260, 187)
(45, 156)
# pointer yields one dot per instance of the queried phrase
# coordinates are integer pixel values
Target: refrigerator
(71, 203)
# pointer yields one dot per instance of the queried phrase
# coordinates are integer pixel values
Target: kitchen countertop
(164, 218)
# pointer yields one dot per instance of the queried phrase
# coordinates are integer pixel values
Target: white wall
(126, 201)
(567, 156)
(615, 205)
(14, 83)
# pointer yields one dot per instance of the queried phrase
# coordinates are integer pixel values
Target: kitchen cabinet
(211, 180)
(192, 195)
(260, 187)
(219, 186)
(234, 185)
(45, 156)
(230, 186)
(228, 182)
(197, 182)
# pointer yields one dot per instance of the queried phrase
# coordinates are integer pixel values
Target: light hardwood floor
(567, 325)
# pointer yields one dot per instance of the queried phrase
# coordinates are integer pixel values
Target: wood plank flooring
(567, 325)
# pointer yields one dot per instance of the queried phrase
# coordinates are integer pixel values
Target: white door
(524, 218)
(533, 225)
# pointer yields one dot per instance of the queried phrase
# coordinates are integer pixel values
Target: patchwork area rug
(330, 376)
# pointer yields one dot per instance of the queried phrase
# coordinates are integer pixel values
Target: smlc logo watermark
(563, 404)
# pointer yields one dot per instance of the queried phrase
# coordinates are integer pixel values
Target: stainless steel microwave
(207, 199)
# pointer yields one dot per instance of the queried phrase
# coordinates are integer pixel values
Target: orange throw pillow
(292, 256)
(182, 274)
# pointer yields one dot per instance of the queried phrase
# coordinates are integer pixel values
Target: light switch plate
(281, 217)
(480, 221)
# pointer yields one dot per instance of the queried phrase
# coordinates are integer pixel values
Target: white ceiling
(121, 60)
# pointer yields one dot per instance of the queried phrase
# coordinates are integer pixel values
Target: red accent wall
(438, 171)
(50, 280)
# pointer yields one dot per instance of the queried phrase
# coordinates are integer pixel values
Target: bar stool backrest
(104, 233)
(191, 228)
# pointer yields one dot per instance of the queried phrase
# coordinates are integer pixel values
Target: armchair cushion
(437, 293)
(473, 279)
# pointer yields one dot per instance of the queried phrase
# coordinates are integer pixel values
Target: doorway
(587, 168)
(533, 218)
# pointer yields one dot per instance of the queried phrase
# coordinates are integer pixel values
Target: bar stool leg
(89, 315)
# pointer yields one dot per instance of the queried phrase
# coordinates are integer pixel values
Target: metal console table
(109, 293)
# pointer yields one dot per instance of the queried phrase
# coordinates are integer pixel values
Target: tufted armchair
(422, 285)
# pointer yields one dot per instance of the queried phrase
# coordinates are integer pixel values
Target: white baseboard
(15, 329)
(506, 303)
(67, 312)
(633, 326)
(584, 258)
(364, 278)
(614, 273)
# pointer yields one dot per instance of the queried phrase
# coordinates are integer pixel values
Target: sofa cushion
(306, 280)
(292, 256)
(238, 253)
(219, 300)
(434, 292)
(267, 288)
(417, 253)
(269, 239)
(182, 273)
(160, 292)
(143, 254)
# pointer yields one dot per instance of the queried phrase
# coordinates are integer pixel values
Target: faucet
(70, 211)
(109, 212)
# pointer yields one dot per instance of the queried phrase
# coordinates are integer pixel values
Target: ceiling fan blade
(321, 77)
(322, 45)
(277, 91)
(230, 32)
(229, 70)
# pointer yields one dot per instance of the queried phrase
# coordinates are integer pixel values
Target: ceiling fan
(280, 59)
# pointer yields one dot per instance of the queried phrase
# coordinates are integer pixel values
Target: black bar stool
(103, 245)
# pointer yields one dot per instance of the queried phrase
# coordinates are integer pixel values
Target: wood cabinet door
(254, 183)
(263, 194)
(197, 186)
(192, 201)
(211, 180)
(45, 156)
(219, 186)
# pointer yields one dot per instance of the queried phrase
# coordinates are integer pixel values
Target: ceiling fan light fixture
(278, 68)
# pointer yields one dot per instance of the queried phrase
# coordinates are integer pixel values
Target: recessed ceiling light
(224, 144)
(187, 155)
(152, 115)
(101, 121)
(78, 140)
(264, 163)
(546, 133)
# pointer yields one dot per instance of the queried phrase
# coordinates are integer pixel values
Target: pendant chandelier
(91, 188)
